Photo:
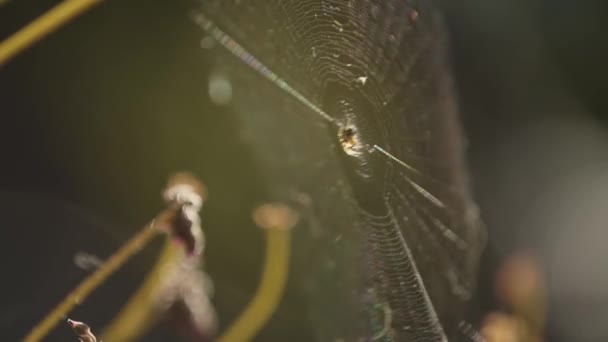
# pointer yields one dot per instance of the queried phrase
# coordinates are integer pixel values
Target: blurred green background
(94, 118)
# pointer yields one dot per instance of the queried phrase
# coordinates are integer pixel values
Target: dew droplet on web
(362, 80)
(86, 261)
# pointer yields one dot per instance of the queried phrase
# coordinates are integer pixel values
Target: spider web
(392, 239)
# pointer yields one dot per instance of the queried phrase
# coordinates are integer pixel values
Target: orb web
(349, 105)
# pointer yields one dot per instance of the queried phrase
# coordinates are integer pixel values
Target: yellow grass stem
(42, 26)
(133, 318)
(271, 287)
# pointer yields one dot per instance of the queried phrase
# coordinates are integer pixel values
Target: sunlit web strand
(239, 51)
(418, 188)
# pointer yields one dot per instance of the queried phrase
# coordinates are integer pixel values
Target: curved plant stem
(270, 289)
(42, 26)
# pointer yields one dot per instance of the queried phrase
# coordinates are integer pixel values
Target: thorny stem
(42, 26)
(81, 292)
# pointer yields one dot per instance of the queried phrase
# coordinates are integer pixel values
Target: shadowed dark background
(97, 115)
